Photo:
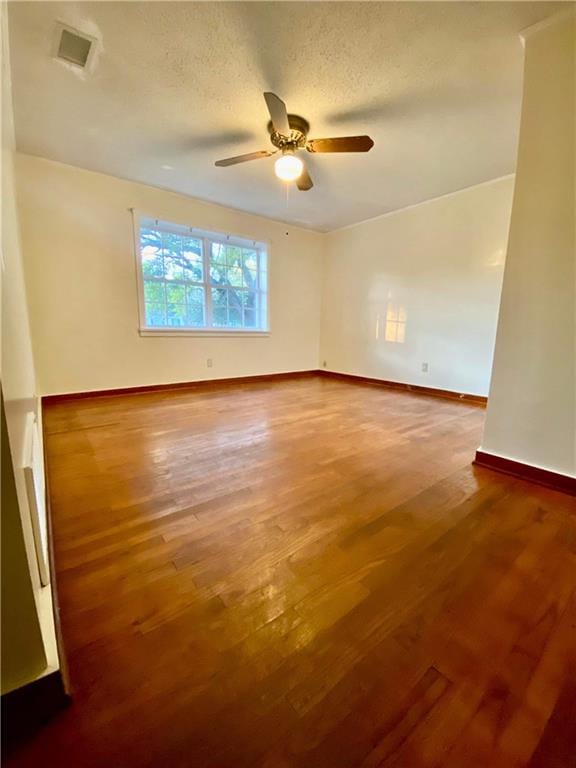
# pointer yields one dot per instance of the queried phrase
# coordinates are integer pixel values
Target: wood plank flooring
(302, 574)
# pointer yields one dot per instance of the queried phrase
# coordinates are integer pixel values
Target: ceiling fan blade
(243, 158)
(304, 182)
(341, 144)
(278, 113)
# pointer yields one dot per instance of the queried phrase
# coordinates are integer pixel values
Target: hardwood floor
(304, 573)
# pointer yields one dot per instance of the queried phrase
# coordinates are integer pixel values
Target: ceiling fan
(288, 134)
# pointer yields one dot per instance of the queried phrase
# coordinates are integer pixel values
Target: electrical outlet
(424, 367)
(209, 362)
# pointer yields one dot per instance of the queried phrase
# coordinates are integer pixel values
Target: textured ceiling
(177, 85)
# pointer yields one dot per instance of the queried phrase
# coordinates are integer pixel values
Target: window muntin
(198, 281)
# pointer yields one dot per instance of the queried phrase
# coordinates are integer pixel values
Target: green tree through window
(201, 282)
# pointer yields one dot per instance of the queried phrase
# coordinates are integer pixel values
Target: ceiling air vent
(73, 47)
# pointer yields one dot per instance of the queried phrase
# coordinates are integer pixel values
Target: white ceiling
(437, 85)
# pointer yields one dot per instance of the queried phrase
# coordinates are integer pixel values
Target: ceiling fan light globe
(288, 167)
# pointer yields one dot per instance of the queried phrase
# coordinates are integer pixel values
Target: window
(193, 281)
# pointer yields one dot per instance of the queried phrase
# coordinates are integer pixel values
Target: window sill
(206, 333)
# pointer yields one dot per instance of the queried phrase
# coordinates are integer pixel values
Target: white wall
(532, 408)
(26, 639)
(80, 269)
(442, 262)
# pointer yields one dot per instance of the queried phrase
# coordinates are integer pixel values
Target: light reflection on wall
(496, 259)
(395, 323)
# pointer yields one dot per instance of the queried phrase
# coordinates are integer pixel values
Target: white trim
(201, 332)
(422, 202)
(202, 231)
(197, 233)
(138, 266)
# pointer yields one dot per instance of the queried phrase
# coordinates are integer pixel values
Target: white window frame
(207, 238)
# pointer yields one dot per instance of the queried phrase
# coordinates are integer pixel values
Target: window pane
(235, 317)
(235, 276)
(173, 269)
(172, 249)
(176, 314)
(218, 275)
(194, 294)
(154, 292)
(250, 278)
(195, 306)
(191, 248)
(152, 262)
(251, 260)
(155, 315)
(195, 315)
(175, 294)
(219, 297)
(249, 318)
(217, 254)
(150, 238)
(235, 299)
(220, 315)
(193, 268)
(171, 243)
(248, 299)
(233, 256)
(151, 252)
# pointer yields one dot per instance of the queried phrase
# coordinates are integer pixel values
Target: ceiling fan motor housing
(299, 128)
